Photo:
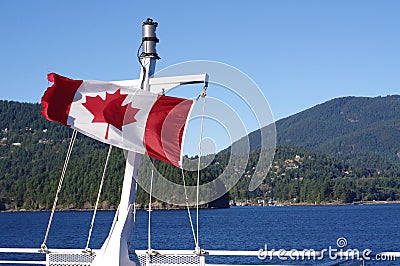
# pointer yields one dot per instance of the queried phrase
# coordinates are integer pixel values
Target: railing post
(202, 260)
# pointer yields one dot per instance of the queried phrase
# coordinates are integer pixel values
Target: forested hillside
(347, 128)
(32, 152)
(301, 176)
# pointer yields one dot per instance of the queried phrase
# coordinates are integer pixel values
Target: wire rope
(71, 144)
(98, 198)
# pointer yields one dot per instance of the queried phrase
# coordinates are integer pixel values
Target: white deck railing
(61, 257)
(54, 257)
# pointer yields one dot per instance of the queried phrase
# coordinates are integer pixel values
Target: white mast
(115, 250)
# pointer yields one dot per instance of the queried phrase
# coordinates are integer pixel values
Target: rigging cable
(71, 144)
(188, 208)
(203, 95)
(149, 222)
(98, 199)
(184, 187)
(141, 64)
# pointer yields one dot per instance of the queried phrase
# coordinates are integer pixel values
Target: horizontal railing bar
(247, 265)
(276, 253)
(165, 252)
(19, 250)
(390, 254)
(22, 262)
(39, 251)
(235, 253)
(336, 263)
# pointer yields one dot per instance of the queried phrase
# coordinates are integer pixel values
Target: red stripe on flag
(164, 128)
(56, 101)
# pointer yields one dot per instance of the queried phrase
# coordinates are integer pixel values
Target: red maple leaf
(110, 110)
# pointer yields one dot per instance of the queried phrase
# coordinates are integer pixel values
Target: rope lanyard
(149, 222)
(188, 208)
(203, 94)
(195, 234)
(98, 199)
(71, 144)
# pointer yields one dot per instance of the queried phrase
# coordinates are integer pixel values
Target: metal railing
(61, 257)
(54, 257)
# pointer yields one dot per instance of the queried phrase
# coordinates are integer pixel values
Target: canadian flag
(129, 118)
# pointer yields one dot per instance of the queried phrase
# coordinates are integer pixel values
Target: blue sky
(300, 53)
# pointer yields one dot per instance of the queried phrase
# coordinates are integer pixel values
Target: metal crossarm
(157, 85)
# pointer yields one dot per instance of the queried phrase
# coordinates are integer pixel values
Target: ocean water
(373, 227)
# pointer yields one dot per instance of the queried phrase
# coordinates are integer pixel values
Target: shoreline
(305, 204)
(288, 204)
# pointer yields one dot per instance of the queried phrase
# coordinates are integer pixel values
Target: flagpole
(115, 250)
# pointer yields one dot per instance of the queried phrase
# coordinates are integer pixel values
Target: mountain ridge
(343, 127)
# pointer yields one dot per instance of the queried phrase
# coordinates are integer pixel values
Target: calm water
(374, 227)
